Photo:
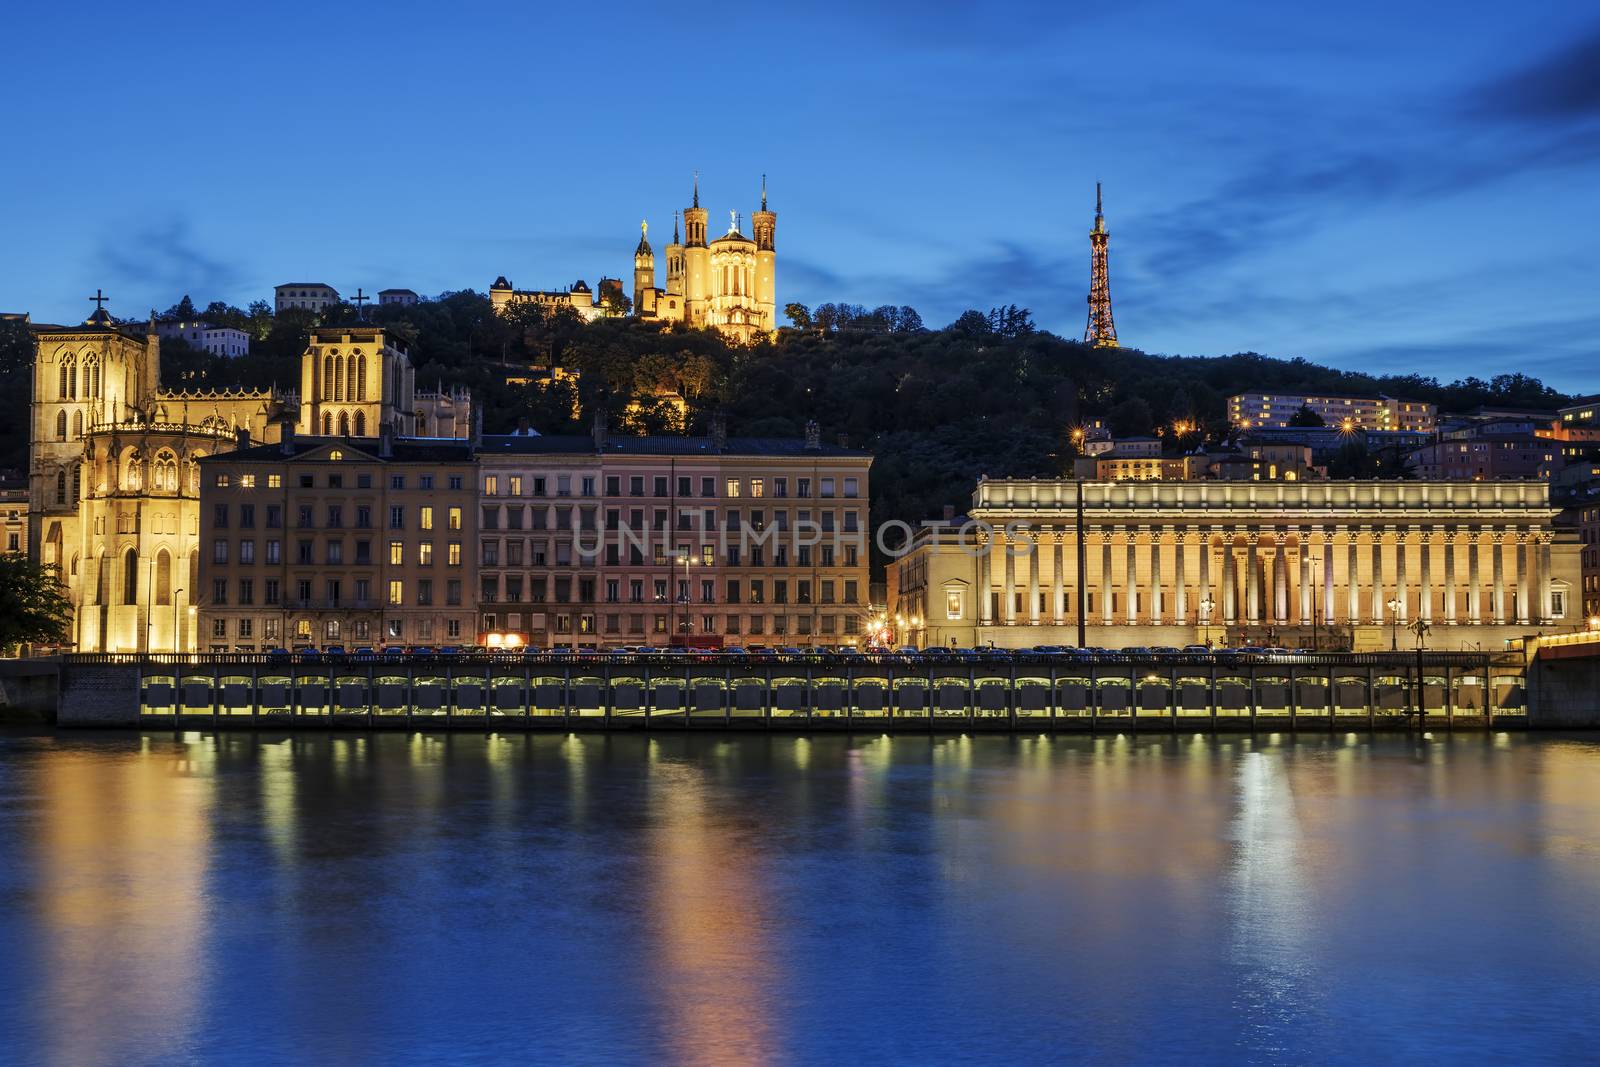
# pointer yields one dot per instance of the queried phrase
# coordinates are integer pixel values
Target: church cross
(100, 299)
(361, 299)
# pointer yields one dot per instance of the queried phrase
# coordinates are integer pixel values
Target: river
(725, 898)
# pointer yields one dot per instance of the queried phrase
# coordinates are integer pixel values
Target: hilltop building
(311, 296)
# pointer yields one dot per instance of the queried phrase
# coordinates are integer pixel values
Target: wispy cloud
(1562, 85)
(162, 257)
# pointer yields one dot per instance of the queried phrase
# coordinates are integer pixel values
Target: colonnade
(1294, 574)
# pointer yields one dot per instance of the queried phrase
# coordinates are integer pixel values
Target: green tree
(1306, 417)
(33, 607)
(798, 314)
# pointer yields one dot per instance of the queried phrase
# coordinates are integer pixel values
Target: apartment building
(1343, 411)
(588, 541)
(320, 541)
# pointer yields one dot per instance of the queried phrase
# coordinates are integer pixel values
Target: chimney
(385, 443)
(813, 434)
(524, 427)
(719, 432)
(242, 433)
(844, 440)
(286, 436)
(477, 429)
(949, 513)
(599, 428)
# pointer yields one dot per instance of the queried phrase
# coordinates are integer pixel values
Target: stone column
(1230, 580)
(1207, 592)
(1402, 549)
(1033, 577)
(1546, 600)
(1474, 578)
(1328, 614)
(1450, 576)
(1180, 600)
(1157, 605)
(1008, 594)
(1131, 587)
(1499, 551)
(985, 581)
(1379, 608)
(1425, 576)
(1105, 575)
(1521, 581)
(1252, 576)
(1280, 579)
(1353, 572)
(1306, 579)
(1058, 584)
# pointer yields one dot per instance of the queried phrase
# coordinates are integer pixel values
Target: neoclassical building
(1173, 563)
(114, 485)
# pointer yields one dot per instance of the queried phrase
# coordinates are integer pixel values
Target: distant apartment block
(397, 297)
(311, 296)
(1343, 411)
(218, 340)
(1485, 460)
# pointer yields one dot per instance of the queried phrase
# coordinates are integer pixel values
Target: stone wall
(99, 695)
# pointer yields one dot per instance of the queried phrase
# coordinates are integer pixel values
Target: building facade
(728, 283)
(397, 297)
(218, 340)
(1340, 411)
(1486, 459)
(114, 479)
(588, 541)
(580, 298)
(1176, 563)
(357, 381)
(310, 296)
(313, 542)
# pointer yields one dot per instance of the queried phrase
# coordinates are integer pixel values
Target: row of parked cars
(784, 653)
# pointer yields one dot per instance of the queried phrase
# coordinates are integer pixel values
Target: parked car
(1197, 650)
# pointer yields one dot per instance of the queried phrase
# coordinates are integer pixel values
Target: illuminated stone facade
(1176, 563)
(728, 283)
(114, 480)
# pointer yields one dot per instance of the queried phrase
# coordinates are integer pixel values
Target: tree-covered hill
(986, 394)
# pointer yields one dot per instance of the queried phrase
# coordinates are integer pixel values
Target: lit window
(274, 481)
(732, 488)
(397, 592)
(455, 518)
(427, 517)
(397, 553)
(247, 481)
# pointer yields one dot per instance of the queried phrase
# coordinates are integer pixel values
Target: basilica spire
(763, 192)
(696, 190)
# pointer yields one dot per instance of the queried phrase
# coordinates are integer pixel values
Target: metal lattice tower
(1102, 330)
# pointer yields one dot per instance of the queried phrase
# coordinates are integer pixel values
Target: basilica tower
(644, 269)
(675, 262)
(765, 225)
(696, 261)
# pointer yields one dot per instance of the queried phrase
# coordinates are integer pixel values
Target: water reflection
(688, 898)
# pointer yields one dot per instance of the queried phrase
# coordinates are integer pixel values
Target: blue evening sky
(1393, 186)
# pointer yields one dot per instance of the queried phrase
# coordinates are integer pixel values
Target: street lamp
(1207, 606)
(1394, 624)
(687, 560)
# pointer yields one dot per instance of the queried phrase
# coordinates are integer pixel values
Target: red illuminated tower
(1101, 331)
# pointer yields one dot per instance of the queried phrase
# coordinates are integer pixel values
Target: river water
(263, 898)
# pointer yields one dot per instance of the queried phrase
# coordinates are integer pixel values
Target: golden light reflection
(124, 845)
(712, 957)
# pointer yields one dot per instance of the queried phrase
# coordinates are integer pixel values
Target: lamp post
(1207, 606)
(1394, 624)
(177, 639)
(687, 560)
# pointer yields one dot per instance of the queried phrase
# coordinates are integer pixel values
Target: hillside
(987, 394)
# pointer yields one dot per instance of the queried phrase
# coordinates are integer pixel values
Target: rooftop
(661, 445)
